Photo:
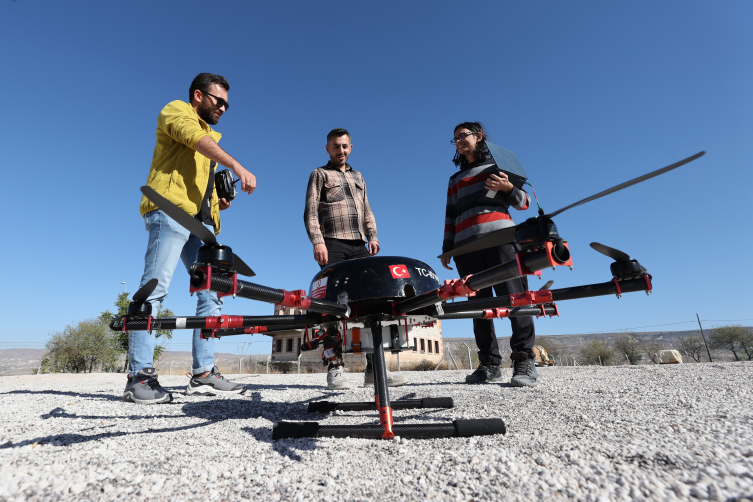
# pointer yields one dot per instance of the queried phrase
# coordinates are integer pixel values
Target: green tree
(82, 347)
(597, 351)
(692, 345)
(732, 337)
(627, 346)
(121, 303)
(651, 346)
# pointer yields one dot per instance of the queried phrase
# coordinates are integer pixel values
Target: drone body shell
(387, 278)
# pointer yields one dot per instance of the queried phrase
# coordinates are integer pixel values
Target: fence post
(299, 363)
(268, 360)
(453, 360)
(171, 366)
(440, 361)
(600, 361)
(470, 363)
(240, 366)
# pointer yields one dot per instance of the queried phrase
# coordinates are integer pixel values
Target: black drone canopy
(377, 277)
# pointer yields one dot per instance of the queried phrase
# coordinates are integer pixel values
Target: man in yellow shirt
(182, 171)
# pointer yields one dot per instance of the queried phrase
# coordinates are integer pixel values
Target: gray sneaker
(393, 380)
(336, 379)
(485, 373)
(524, 374)
(145, 389)
(214, 384)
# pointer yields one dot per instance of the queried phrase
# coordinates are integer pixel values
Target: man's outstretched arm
(211, 150)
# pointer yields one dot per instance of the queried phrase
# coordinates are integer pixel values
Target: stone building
(286, 345)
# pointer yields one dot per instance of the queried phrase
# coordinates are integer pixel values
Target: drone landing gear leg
(381, 391)
(386, 428)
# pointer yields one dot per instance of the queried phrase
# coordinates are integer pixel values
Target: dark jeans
(523, 331)
(340, 250)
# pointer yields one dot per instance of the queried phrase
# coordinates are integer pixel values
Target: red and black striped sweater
(468, 217)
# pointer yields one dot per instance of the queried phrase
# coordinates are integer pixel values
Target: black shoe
(524, 374)
(484, 374)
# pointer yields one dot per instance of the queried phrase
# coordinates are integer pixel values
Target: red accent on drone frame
(531, 298)
(544, 314)
(205, 285)
(455, 288)
(297, 298)
(385, 419)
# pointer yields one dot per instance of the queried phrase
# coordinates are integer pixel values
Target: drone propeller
(546, 286)
(612, 253)
(508, 235)
(623, 264)
(144, 291)
(194, 226)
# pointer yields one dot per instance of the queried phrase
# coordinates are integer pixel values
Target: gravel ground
(625, 433)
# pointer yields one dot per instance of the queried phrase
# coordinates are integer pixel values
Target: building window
(436, 346)
(422, 346)
(429, 347)
(290, 345)
(279, 345)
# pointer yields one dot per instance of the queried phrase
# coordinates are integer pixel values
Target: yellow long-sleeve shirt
(178, 172)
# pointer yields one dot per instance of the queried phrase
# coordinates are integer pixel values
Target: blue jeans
(169, 242)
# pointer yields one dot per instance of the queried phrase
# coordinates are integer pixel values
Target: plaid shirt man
(337, 206)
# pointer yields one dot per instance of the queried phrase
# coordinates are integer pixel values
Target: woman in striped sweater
(471, 215)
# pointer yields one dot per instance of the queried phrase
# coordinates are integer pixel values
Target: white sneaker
(393, 380)
(336, 379)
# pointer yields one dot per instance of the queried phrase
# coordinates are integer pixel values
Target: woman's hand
(499, 181)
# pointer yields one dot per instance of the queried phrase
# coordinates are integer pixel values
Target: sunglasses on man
(220, 102)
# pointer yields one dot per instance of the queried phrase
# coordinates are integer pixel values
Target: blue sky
(587, 94)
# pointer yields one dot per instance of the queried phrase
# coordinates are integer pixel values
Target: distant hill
(25, 361)
(573, 343)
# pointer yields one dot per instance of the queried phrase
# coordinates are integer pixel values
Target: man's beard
(205, 112)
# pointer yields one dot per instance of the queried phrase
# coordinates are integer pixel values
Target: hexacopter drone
(373, 304)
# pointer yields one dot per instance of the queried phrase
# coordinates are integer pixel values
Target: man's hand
(499, 181)
(320, 254)
(446, 263)
(373, 247)
(211, 150)
(248, 180)
(223, 204)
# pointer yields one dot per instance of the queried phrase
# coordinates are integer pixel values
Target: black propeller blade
(193, 225)
(612, 253)
(143, 293)
(546, 286)
(183, 218)
(630, 183)
(615, 254)
(507, 235)
(496, 238)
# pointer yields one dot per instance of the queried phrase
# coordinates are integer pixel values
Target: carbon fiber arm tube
(516, 312)
(574, 293)
(141, 323)
(418, 302)
(533, 262)
(251, 291)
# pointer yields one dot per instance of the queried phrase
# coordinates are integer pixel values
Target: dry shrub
(423, 365)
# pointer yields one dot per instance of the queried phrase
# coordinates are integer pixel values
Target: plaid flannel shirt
(337, 206)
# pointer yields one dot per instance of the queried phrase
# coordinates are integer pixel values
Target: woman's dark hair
(481, 152)
(203, 81)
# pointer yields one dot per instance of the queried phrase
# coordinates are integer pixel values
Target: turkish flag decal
(399, 272)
